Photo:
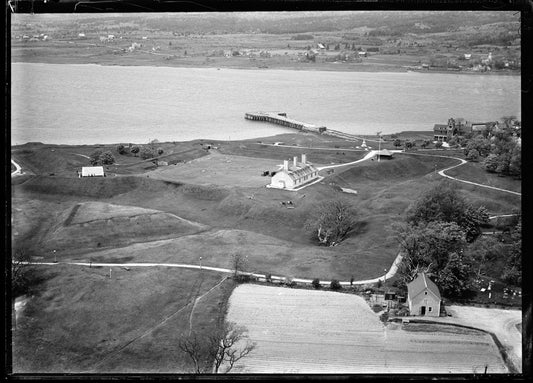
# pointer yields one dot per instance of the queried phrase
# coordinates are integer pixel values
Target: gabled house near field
(290, 177)
(423, 296)
(92, 171)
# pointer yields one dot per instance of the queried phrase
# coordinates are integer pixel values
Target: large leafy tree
(454, 279)
(332, 222)
(443, 203)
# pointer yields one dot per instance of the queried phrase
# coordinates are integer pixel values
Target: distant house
(290, 177)
(468, 56)
(110, 37)
(92, 171)
(440, 132)
(81, 35)
(362, 54)
(321, 46)
(455, 127)
(423, 296)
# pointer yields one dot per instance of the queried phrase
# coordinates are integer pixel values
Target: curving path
(392, 271)
(462, 162)
(18, 170)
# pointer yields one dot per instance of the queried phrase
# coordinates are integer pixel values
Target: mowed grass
(85, 321)
(306, 331)
(474, 172)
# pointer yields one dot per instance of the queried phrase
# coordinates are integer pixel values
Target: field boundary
(503, 351)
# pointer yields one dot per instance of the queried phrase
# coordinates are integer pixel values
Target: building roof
(301, 171)
(383, 152)
(92, 170)
(440, 127)
(419, 284)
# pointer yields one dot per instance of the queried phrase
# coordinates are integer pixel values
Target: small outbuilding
(423, 296)
(92, 171)
(383, 153)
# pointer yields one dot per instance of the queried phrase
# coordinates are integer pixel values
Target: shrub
(335, 285)
(377, 308)
(242, 278)
(121, 149)
(268, 278)
(438, 144)
(316, 283)
(384, 317)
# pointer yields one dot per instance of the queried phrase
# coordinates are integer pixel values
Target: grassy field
(85, 321)
(306, 331)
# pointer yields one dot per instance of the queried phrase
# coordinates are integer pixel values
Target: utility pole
(379, 146)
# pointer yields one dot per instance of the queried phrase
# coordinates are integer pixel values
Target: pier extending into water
(280, 118)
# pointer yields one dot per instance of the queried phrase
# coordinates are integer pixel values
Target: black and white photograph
(315, 192)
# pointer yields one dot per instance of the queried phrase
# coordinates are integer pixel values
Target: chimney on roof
(295, 161)
(304, 159)
(286, 165)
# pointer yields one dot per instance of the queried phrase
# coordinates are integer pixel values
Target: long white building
(294, 175)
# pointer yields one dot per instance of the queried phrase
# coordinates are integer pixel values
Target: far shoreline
(329, 67)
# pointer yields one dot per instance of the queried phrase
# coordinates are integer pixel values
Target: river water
(89, 104)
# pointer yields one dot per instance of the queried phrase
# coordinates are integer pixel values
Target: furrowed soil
(305, 331)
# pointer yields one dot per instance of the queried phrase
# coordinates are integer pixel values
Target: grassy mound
(98, 225)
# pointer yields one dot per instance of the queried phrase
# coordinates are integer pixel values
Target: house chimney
(286, 165)
(304, 159)
(295, 161)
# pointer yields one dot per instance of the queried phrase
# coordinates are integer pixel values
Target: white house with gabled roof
(423, 296)
(291, 177)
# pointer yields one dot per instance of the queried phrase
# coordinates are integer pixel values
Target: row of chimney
(295, 162)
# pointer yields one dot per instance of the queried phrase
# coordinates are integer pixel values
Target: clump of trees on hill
(145, 151)
(99, 157)
(442, 236)
(498, 147)
(332, 222)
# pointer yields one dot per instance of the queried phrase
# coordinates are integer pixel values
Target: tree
(515, 164)
(438, 144)
(408, 144)
(491, 163)
(239, 263)
(454, 279)
(472, 155)
(512, 272)
(160, 151)
(425, 143)
(219, 350)
(94, 159)
(483, 251)
(427, 247)
(135, 149)
(332, 222)
(482, 145)
(443, 203)
(146, 153)
(397, 142)
(121, 149)
(107, 158)
(316, 283)
(335, 285)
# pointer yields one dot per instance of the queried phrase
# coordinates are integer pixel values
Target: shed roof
(419, 284)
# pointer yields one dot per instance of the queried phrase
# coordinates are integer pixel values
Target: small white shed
(92, 171)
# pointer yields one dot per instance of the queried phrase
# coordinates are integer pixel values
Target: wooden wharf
(280, 118)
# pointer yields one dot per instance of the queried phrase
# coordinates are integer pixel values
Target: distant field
(474, 172)
(305, 331)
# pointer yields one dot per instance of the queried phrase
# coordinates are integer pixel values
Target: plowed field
(305, 331)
